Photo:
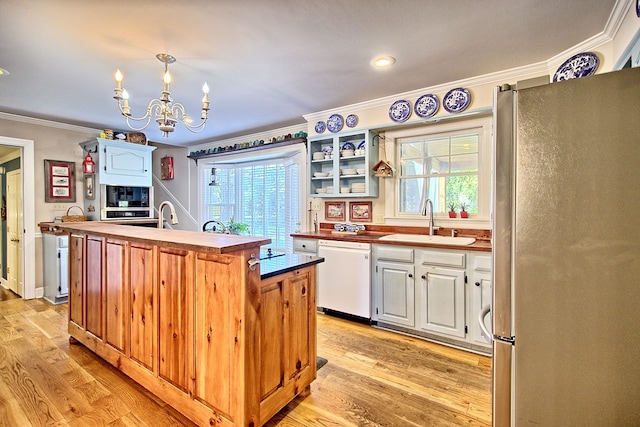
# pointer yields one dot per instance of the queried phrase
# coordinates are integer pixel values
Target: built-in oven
(125, 202)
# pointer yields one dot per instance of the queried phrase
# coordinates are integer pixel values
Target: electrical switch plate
(315, 204)
(59, 207)
(379, 219)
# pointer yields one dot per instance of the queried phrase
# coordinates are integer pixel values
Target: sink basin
(423, 238)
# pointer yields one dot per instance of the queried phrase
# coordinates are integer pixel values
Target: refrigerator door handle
(483, 326)
(508, 340)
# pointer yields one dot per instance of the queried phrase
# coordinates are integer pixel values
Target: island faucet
(174, 217)
(427, 207)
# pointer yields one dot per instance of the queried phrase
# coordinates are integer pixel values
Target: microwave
(125, 202)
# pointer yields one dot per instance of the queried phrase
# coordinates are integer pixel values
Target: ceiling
(266, 62)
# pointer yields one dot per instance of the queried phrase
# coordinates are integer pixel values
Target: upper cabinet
(341, 165)
(121, 163)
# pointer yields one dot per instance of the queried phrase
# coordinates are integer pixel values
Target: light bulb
(167, 78)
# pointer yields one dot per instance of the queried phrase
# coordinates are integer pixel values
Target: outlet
(378, 219)
(315, 204)
(59, 207)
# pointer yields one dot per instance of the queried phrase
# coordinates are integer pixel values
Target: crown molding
(273, 133)
(47, 123)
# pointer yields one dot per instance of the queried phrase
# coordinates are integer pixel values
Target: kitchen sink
(423, 238)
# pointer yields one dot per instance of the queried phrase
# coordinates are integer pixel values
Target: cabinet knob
(304, 246)
(410, 275)
(424, 277)
(477, 283)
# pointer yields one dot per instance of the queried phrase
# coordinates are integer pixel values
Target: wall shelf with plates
(340, 165)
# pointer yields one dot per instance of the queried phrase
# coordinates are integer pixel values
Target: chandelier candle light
(166, 112)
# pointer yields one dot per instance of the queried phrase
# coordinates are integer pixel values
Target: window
(447, 163)
(443, 168)
(263, 195)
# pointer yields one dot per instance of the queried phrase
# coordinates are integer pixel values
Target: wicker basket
(74, 218)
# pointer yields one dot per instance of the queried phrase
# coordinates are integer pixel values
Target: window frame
(391, 185)
(288, 155)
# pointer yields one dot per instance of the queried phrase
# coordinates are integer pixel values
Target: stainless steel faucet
(427, 207)
(173, 218)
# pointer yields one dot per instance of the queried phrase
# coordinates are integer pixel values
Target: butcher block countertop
(192, 240)
(374, 232)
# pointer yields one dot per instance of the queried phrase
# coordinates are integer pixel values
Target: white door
(14, 231)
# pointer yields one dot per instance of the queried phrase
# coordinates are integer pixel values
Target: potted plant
(452, 210)
(463, 211)
(237, 227)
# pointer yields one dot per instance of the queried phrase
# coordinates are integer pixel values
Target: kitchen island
(189, 316)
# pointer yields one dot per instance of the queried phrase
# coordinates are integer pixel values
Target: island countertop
(274, 266)
(195, 240)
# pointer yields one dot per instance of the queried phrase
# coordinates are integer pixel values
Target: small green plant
(452, 206)
(237, 227)
(463, 211)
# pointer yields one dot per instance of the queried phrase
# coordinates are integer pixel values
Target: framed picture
(59, 181)
(334, 211)
(360, 211)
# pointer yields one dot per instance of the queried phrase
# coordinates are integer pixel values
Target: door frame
(27, 163)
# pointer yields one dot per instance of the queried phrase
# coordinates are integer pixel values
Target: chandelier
(165, 112)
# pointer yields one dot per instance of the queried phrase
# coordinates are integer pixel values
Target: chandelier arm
(134, 127)
(178, 110)
(154, 103)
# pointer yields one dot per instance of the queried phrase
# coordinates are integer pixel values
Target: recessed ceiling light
(383, 62)
(3, 71)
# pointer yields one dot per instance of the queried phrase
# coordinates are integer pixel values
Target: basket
(74, 218)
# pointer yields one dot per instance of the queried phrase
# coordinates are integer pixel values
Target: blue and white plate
(580, 65)
(427, 106)
(334, 123)
(400, 111)
(319, 127)
(348, 146)
(352, 120)
(362, 145)
(456, 100)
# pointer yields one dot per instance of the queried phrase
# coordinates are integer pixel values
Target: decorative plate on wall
(352, 119)
(400, 111)
(334, 123)
(456, 100)
(427, 106)
(319, 127)
(580, 65)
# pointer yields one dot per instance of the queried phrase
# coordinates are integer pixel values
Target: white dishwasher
(344, 278)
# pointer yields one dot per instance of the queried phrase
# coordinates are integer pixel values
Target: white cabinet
(304, 246)
(396, 293)
(121, 163)
(441, 300)
(427, 292)
(334, 171)
(55, 262)
(480, 296)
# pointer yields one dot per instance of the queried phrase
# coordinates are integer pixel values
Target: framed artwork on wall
(59, 181)
(334, 211)
(360, 211)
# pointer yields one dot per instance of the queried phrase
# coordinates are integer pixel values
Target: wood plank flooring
(372, 378)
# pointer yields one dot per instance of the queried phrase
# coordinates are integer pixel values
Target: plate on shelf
(334, 123)
(348, 146)
(400, 111)
(361, 146)
(352, 120)
(319, 127)
(427, 106)
(456, 100)
(580, 65)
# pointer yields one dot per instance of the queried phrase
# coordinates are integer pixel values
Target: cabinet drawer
(449, 259)
(392, 253)
(482, 263)
(305, 245)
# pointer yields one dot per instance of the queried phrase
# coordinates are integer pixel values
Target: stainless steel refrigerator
(566, 236)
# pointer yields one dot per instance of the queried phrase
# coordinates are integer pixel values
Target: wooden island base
(184, 315)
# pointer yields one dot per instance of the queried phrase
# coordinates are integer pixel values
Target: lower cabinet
(435, 293)
(396, 293)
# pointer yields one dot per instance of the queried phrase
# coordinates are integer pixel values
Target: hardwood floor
(372, 378)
